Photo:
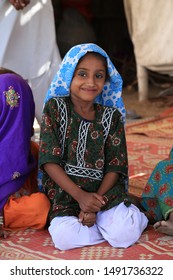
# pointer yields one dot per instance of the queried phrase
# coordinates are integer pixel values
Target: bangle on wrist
(105, 199)
(1, 220)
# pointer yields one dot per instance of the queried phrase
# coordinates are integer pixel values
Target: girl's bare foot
(164, 227)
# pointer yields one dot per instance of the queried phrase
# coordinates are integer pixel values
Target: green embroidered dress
(85, 149)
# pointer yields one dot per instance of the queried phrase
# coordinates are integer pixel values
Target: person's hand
(91, 202)
(19, 4)
(87, 219)
(3, 233)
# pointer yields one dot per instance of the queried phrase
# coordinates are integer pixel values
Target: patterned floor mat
(37, 245)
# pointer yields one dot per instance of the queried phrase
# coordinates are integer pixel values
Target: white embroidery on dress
(106, 121)
(63, 121)
(80, 170)
(81, 147)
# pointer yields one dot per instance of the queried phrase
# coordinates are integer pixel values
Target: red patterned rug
(37, 245)
(157, 127)
(148, 141)
(144, 153)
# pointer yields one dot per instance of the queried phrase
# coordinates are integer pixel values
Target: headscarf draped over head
(111, 94)
(17, 111)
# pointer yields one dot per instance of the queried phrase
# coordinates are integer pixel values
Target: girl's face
(89, 78)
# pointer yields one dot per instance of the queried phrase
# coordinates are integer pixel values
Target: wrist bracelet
(1, 220)
(105, 199)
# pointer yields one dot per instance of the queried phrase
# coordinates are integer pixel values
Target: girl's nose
(90, 80)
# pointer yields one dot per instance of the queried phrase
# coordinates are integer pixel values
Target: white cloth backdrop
(28, 45)
(150, 25)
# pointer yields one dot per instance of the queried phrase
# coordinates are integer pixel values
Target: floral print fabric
(85, 149)
(157, 197)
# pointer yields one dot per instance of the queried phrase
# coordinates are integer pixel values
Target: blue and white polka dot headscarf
(111, 94)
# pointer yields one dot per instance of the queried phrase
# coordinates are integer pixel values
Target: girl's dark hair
(6, 71)
(100, 57)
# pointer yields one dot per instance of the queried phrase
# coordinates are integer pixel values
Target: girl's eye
(99, 76)
(82, 73)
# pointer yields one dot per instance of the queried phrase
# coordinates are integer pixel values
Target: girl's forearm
(108, 182)
(88, 202)
(59, 176)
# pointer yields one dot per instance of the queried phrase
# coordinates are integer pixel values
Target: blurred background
(99, 21)
(113, 25)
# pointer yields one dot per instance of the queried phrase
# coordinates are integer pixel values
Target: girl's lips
(89, 89)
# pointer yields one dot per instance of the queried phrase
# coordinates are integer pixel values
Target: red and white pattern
(37, 245)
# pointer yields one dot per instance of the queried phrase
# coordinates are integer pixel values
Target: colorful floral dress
(85, 149)
(157, 197)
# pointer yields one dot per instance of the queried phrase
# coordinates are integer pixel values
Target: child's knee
(123, 225)
(62, 236)
(124, 238)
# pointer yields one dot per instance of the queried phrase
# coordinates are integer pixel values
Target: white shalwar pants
(121, 226)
